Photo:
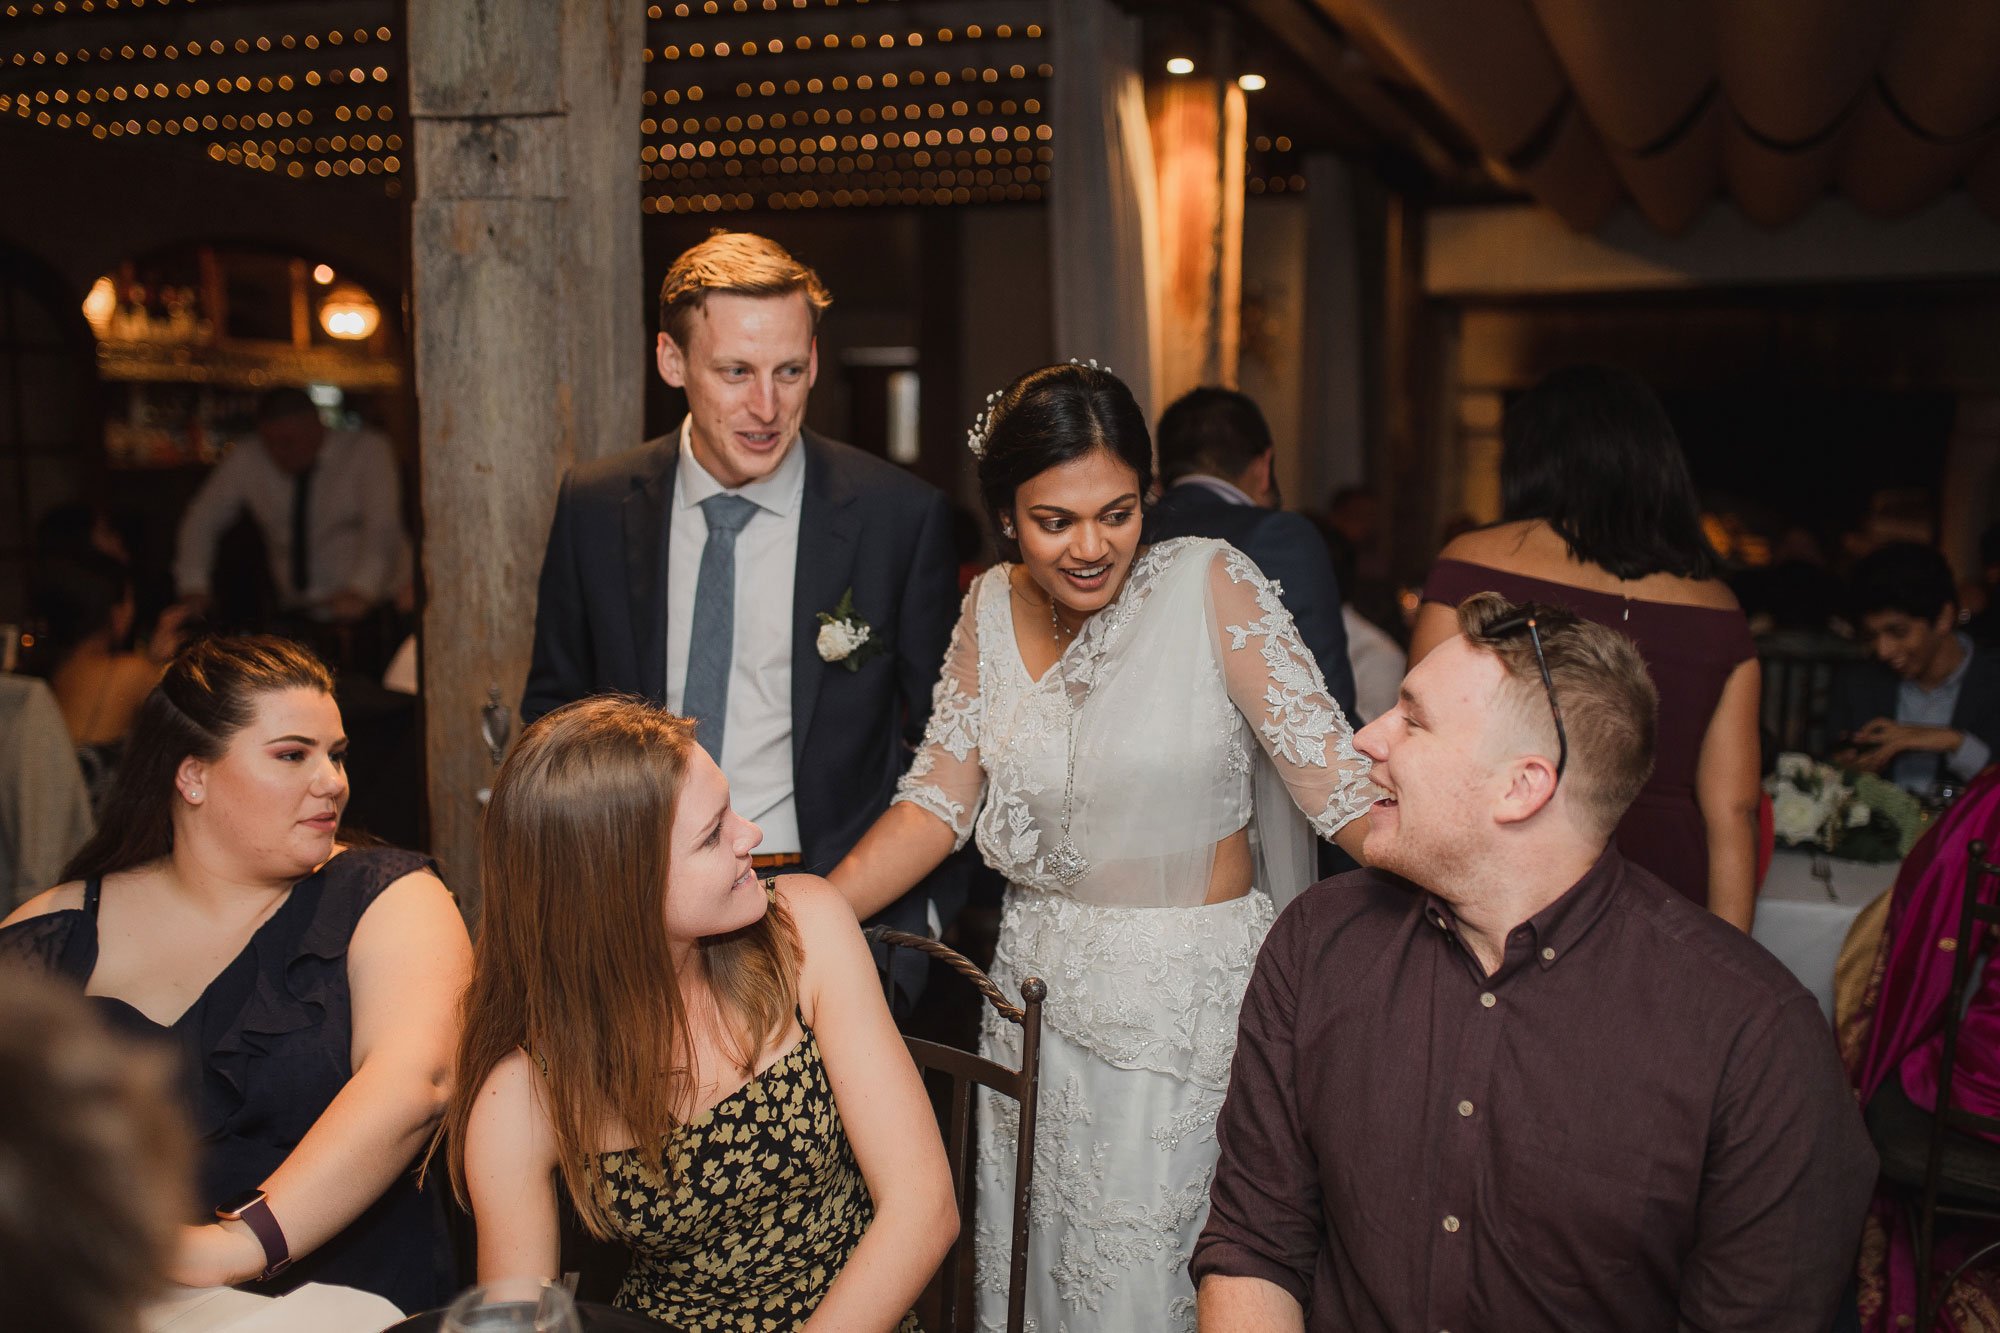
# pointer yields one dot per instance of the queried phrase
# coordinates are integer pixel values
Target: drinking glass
(513, 1305)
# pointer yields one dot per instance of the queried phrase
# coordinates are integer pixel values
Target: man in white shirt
(695, 571)
(328, 503)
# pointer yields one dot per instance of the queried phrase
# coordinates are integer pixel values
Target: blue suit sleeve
(1289, 550)
(559, 671)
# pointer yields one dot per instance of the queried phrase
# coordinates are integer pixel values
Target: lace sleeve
(946, 778)
(1274, 681)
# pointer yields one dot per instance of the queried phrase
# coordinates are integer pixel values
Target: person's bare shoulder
(62, 898)
(1498, 546)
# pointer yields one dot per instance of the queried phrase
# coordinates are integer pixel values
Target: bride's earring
(1007, 530)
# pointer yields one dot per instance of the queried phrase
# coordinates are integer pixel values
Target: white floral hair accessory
(982, 425)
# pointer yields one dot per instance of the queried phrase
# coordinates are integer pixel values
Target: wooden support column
(1198, 128)
(529, 335)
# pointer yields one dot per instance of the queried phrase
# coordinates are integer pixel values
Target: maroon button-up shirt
(1638, 1122)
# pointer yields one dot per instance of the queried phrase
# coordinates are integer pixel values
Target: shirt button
(1450, 1223)
(1465, 1108)
(1548, 955)
(1486, 998)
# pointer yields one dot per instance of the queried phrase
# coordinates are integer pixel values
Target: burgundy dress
(1690, 651)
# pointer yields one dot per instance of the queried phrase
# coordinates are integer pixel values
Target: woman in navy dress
(310, 989)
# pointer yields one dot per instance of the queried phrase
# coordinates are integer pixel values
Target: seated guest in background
(1507, 1079)
(309, 989)
(329, 505)
(44, 804)
(1927, 710)
(85, 603)
(93, 1165)
(1215, 459)
(701, 1063)
(1599, 516)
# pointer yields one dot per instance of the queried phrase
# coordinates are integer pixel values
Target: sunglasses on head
(1507, 627)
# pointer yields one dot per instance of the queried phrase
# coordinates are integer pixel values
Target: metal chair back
(1972, 916)
(1798, 675)
(952, 1287)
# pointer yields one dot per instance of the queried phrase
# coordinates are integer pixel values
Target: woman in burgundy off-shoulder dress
(1600, 517)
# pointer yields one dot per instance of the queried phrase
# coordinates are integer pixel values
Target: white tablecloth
(1799, 923)
(312, 1308)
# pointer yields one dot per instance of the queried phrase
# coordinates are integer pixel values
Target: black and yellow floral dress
(760, 1208)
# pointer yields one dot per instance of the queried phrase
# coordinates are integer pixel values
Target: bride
(1131, 733)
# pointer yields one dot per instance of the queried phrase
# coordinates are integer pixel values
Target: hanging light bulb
(349, 313)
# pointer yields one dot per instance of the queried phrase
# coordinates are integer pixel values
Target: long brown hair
(572, 963)
(208, 694)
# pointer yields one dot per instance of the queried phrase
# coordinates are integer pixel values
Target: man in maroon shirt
(1504, 1080)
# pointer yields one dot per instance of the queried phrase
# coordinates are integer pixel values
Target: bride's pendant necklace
(1065, 862)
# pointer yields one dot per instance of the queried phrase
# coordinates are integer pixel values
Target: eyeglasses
(1506, 627)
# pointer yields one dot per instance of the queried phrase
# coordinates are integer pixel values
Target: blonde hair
(1610, 709)
(738, 262)
(572, 963)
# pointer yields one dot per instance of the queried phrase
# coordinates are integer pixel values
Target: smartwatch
(251, 1209)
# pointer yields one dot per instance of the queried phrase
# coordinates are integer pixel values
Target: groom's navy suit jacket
(601, 627)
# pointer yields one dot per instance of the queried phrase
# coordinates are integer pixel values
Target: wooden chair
(951, 1290)
(1944, 1195)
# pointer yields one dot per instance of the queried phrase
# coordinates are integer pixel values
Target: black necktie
(301, 532)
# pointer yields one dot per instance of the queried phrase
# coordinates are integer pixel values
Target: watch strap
(263, 1223)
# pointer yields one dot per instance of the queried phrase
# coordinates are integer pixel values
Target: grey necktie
(712, 637)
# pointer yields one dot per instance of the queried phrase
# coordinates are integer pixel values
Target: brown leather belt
(776, 861)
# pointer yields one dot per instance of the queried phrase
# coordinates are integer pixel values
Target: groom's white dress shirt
(757, 734)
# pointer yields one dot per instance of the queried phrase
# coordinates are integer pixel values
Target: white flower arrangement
(1858, 816)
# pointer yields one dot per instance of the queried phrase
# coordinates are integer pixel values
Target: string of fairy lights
(781, 104)
(304, 103)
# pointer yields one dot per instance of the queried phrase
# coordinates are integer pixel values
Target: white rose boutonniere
(846, 638)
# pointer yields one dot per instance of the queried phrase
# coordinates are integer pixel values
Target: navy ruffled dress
(264, 1051)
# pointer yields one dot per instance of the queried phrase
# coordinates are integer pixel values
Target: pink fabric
(1908, 1033)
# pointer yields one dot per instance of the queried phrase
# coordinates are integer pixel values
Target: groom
(695, 570)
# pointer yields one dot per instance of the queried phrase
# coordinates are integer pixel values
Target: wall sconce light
(1251, 83)
(1180, 65)
(348, 313)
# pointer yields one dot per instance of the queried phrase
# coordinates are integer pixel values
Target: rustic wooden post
(529, 335)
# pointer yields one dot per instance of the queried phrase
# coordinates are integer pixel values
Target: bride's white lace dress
(1192, 710)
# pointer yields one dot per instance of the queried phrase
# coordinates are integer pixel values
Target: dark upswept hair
(572, 963)
(1214, 428)
(1902, 576)
(208, 694)
(76, 596)
(1052, 416)
(1590, 452)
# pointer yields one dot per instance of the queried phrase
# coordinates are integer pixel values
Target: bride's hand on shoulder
(883, 1108)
